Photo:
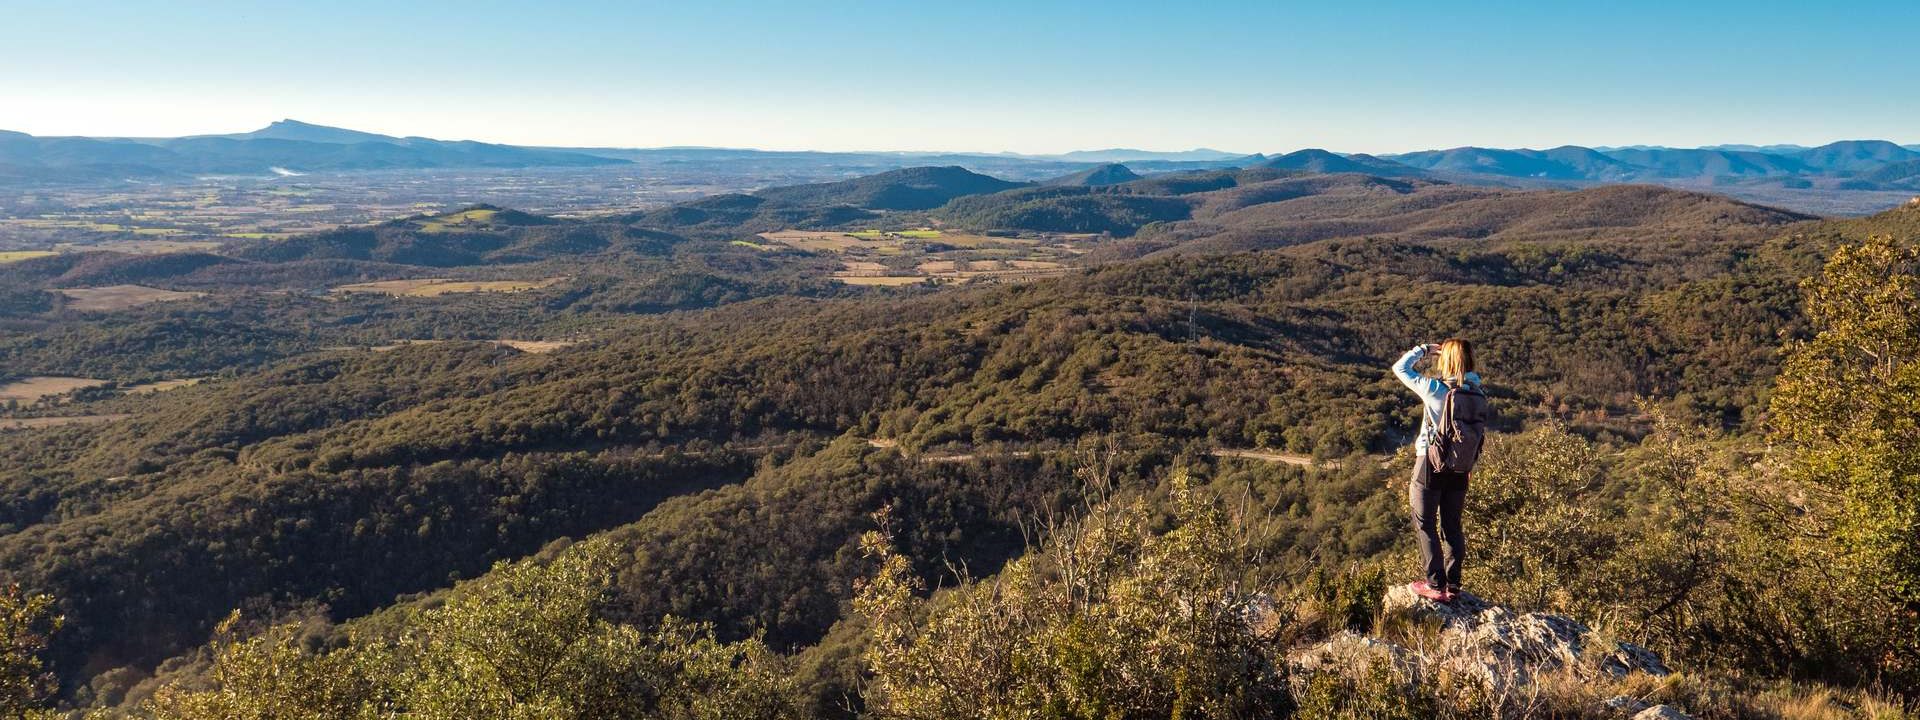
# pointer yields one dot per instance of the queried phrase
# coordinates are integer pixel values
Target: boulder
(1504, 648)
(1662, 712)
(1627, 705)
(1353, 651)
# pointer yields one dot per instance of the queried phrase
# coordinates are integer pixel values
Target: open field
(147, 247)
(218, 208)
(531, 347)
(863, 266)
(885, 242)
(32, 389)
(858, 272)
(921, 234)
(44, 422)
(875, 257)
(7, 256)
(475, 219)
(881, 280)
(162, 386)
(814, 241)
(435, 287)
(535, 347)
(121, 297)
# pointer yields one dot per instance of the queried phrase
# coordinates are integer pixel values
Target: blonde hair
(1455, 361)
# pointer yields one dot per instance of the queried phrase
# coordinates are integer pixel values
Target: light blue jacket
(1432, 391)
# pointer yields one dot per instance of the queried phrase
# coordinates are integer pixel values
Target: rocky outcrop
(1662, 712)
(1492, 644)
(1502, 646)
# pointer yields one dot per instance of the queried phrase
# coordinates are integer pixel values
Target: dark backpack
(1463, 429)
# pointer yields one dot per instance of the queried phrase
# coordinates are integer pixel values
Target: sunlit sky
(1029, 76)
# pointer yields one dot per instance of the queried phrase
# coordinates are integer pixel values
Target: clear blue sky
(985, 75)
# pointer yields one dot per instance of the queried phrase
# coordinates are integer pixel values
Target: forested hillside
(732, 456)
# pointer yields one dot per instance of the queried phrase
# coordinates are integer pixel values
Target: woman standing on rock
(1452, 429)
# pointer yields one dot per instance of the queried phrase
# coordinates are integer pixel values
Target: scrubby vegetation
(1052, 497)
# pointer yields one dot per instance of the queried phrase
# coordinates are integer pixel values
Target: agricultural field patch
(536, 347)
(881, 280)
(46, 422)
(435, 287)
(814, 241)
(530, 347)
(36, 388)
(475, 219)
(147, 247)
(161, 386)
(7, 256)
(909, 257)
(863, 266)
(121, 297)
(921, 234)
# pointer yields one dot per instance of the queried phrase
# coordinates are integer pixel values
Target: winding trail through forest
(1272, 456)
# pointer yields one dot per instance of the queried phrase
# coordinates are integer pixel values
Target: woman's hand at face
(1432, 348)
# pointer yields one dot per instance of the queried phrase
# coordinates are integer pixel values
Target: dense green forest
(748, 491)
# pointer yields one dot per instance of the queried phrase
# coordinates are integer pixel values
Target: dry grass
(46, 422)
(7, 256)
(157, 247)
(476, 219)
(32, 389)
(881, 281)
(814, 241)
(162, 386)
(535, 347)
(435, 287)
(531, 347)
(121, 297)
(966, 240)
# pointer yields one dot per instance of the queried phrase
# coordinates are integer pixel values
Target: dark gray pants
(1438, 496)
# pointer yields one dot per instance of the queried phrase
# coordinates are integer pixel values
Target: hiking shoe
(1421, 588)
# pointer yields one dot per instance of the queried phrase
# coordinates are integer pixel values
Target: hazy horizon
(956, 151)
(1042, 78)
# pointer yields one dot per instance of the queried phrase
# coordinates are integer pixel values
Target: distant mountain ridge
(1855, 161)
(1322, 161)
(1121, 155)
(307, 132)
(298, 147)
(287, 144)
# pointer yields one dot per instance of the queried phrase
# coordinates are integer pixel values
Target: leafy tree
(1848, 403)
(26, 622)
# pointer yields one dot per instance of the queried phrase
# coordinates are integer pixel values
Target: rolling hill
(734, 454)
(1854, 156)
(1108, 174)
(1224, 211)
(1321, 161)
(479, 235)
(916, 188)
(725, 452)
(1853, 160)
(1561, 163)
(1707, 163)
